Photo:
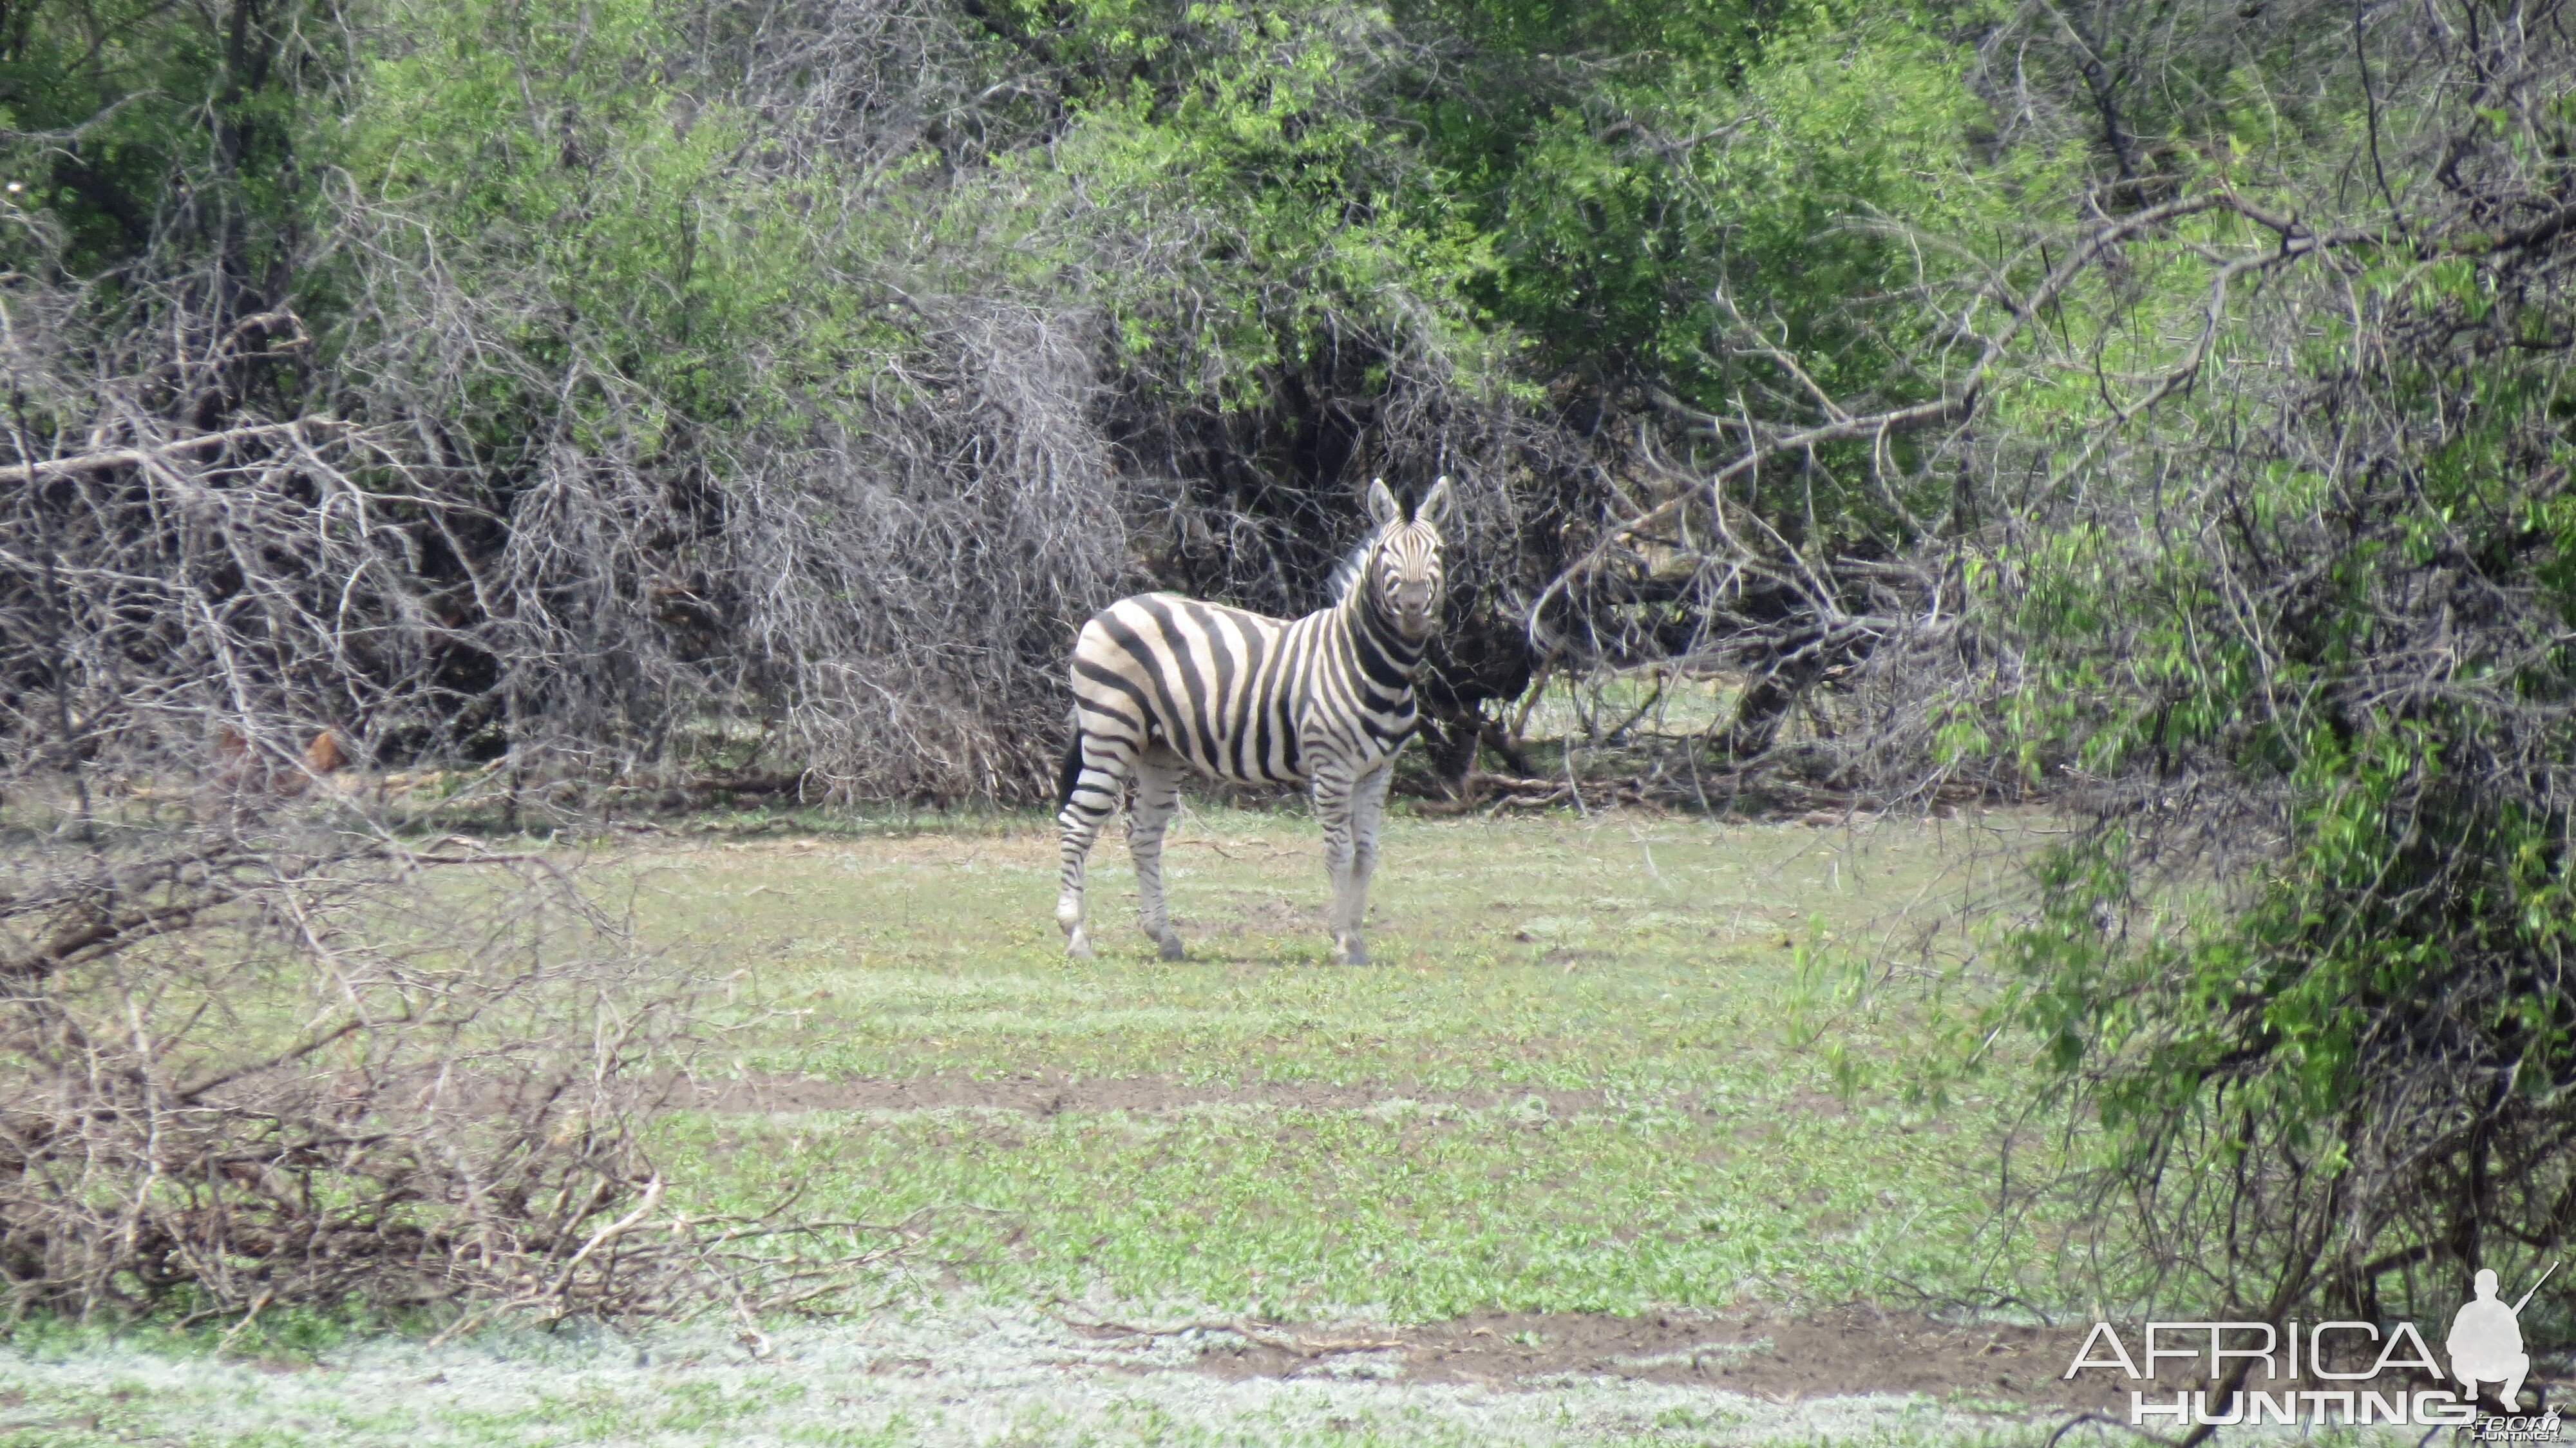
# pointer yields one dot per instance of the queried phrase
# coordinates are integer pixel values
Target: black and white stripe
(1162, 683)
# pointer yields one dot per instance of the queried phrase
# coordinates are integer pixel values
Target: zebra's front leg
(1157, 796)
(1102, 777)
(1333, 795)
(1368, 815)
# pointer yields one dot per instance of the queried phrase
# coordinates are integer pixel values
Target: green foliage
(550, 155)
(1656, 182)
(1721, 157)
(104, 102)
(1266, 133)
(2324, 1044)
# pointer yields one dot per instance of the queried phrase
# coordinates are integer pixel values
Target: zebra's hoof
(1171, 948)
(1350, 952)
(1078, 945)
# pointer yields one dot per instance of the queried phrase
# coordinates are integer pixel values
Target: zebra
(1161, 682)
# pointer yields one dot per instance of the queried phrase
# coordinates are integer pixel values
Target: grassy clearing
(1577, 1081)
(1646, 962)
(1613, 952)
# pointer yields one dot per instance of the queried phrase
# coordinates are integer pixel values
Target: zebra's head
(1403, 567)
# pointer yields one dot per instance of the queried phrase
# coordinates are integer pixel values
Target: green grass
(1585, 1073)
(1649, 962)
(1426, 1215)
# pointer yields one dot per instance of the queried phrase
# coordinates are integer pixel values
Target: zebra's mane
(1354, 566)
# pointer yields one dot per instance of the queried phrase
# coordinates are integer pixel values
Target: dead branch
(158, 456)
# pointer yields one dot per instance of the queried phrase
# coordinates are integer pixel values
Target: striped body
(1239, 696)
(1162, 683)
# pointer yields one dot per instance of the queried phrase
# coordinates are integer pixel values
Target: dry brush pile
(268, 1040)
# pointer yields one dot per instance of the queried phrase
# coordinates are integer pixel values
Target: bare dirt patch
(1048, 1094)
(1252, 915)
(1778, 1358)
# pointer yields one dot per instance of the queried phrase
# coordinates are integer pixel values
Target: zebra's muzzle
(1415, 604)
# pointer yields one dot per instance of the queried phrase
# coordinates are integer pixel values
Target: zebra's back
(1224, 689)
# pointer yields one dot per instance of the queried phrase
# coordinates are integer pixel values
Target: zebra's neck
(1385, 654)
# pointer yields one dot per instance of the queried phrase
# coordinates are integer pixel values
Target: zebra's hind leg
(1158, 790)
(1333, 791)
(1097, 772)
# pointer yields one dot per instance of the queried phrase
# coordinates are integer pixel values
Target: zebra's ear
(1381, 504)
(1437, 505)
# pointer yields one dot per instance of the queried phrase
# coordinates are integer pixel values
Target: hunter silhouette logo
(2486, 1341)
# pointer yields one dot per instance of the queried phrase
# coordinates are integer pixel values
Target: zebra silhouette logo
(2486, 1341)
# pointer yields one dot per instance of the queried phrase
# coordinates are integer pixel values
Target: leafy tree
(2287, 609)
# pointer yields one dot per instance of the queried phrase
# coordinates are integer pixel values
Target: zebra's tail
(1071, 772)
